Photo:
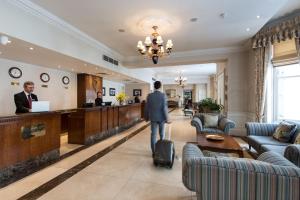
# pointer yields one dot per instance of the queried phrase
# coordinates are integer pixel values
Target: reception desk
(88, 125)
(28, 140)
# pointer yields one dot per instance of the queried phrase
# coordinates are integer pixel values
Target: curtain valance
(286, 29)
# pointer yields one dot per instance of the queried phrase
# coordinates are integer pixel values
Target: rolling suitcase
(164, 151)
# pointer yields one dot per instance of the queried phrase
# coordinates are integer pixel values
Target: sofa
(270, 177)
(224, 124)
(259, 137)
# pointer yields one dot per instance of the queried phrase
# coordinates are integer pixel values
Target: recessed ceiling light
(9, 41)
(258, 16)
(31, 48)
(194, 19)
(223, 15)
(247, 29)
(121, 30)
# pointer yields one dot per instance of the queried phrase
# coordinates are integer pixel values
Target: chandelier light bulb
(140, 45)
(159, 40)
(148, 41)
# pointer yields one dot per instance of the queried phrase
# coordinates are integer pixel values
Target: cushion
(284, 132)
(273, 148)
(212, 130)
(211, 121)
(257, 141)
(297, 138)
(275, 159)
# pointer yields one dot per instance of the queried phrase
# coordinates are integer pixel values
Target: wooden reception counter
(89, 124)
(31, 140)
(28, 140)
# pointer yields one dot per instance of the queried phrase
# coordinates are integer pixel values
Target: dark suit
(98, 101)
(156, 110)
(22, 103)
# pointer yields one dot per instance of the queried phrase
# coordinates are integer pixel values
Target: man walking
(156, 110)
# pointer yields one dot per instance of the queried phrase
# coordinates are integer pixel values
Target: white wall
(120, 87)
(144, 87)
(42, 29)
(56, 93)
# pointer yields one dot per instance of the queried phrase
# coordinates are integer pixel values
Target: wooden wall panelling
(87, 88)
(104, 119)
(76, 127)
(116, 116)
(14, 149)
(92, 122)
(110, 118)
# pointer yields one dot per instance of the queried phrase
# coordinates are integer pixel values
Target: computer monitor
(40, 106)
(108, 103)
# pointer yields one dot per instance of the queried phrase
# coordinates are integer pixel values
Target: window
(286, 92)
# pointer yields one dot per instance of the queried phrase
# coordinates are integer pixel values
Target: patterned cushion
(212, 131)
(211, 121)
(297, 132)
(297, 139)
(284, 132)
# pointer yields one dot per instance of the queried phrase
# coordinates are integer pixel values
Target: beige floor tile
(147, 172)
(85, 185)
(116, 165)
(27, 184)
(138, 190)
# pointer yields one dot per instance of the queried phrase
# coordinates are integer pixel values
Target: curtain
(262, 66)
(297, 40)
(286, 28)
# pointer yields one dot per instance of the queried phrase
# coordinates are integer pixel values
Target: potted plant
(209, 105)
(121, 97)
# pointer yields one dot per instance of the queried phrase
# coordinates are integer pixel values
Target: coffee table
(228, 145)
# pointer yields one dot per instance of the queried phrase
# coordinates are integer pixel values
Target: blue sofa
(259, 136)
(224, 124)
(270, 177)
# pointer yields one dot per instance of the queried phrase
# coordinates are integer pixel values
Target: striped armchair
(224, 125)
(270, 177)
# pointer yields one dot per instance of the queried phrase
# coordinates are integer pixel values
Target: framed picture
(137, 92)
(171, 93)
(103, 91)
(112, 91)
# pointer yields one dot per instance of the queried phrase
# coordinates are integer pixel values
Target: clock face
(65, 80)
(15, 72)
(45, 77)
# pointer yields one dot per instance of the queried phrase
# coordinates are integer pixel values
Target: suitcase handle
(169, 127)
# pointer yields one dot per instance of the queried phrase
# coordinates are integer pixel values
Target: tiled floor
(65, 147)
(127, 172)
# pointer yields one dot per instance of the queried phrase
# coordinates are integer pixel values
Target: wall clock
(65, 80)
(45, 77)
(15, 72)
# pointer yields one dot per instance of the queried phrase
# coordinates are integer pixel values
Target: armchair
(224, 125)
(271, 176)
(259, 136)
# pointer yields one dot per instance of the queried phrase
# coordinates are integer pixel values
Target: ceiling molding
(50, 18)
(199, 52)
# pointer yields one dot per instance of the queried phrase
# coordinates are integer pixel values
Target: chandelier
(180, 80)
(154, 48)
